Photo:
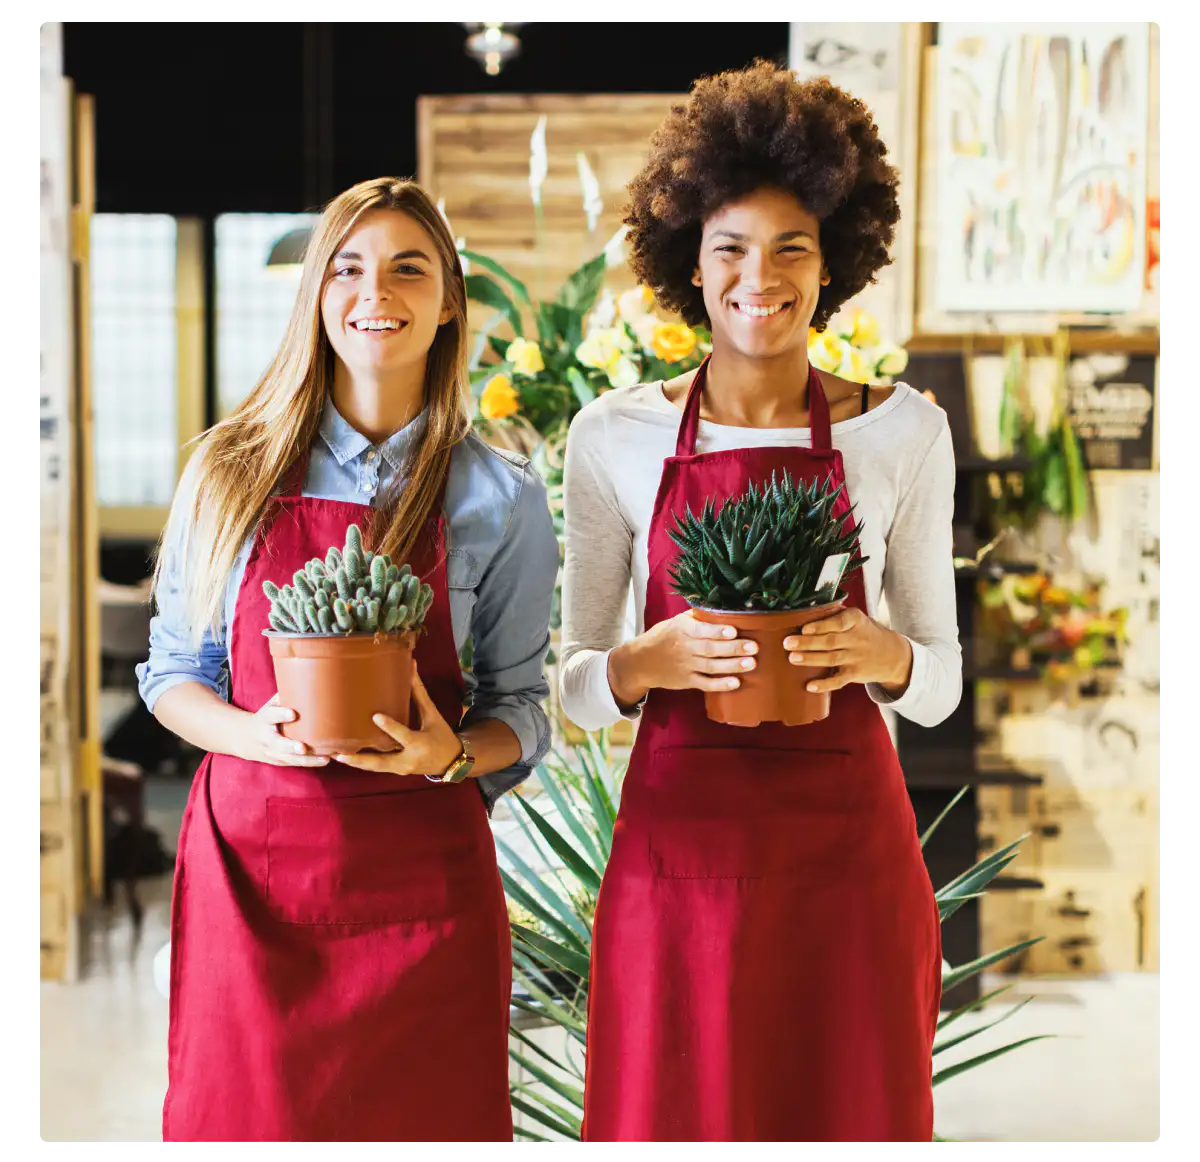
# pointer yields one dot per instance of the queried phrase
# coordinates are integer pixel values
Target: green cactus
(350, 591)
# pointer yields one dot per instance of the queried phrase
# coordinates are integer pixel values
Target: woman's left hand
(427, 751)
(859, 647)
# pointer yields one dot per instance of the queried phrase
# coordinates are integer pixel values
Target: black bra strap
(865, 391)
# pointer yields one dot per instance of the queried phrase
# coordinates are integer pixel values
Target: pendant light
(492, 45)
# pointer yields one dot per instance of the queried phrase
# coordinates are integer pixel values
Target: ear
(446, 315)
(696, 277)
(824, 277)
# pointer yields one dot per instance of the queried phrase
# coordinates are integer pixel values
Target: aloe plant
(764, 549)
(551, 918)
(352, 591)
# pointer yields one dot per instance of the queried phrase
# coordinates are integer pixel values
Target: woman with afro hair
(766, 958)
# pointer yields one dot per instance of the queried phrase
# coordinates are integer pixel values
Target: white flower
(623, 373)
(603, 347)
(615, 250)
(539, 161)
(890, 359)
(605, 312)
(643, 328)
(593, 204)
(636, 302)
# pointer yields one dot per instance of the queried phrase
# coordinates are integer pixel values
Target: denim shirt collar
(347, 442)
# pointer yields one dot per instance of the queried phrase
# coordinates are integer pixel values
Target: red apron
(340, 951)
(766, 959)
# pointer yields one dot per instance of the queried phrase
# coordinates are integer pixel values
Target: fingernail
(812, 687)
(727, 632)
(377, 719)
(298, 747)
(732, 684)
(750, 648)
(747, 663)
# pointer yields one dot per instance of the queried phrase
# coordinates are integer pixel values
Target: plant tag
(831, 572)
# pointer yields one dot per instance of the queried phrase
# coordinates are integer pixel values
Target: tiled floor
(103, 1056)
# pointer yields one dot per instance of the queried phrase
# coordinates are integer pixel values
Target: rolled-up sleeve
(173, 657)
(510, 627)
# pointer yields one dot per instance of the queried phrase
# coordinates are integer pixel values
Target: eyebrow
(785, 237)
(353, 257)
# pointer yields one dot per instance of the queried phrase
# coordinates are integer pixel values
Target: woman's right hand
(679, 653)
(264, 742)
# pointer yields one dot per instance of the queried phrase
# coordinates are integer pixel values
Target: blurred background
(181, 167)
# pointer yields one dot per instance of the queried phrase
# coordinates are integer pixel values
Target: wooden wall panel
(473, 152)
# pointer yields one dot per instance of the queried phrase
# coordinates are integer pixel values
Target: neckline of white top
(902, 392)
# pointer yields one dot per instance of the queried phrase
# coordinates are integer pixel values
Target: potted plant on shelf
(342, 638)
(767, 562)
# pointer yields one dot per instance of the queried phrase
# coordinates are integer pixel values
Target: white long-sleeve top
(899, 465)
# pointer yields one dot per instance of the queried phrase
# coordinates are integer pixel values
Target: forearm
(199, 716)
(897, 670)
(625, 675)
(495, 745)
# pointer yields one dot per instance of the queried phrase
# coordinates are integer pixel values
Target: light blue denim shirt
(502, 560)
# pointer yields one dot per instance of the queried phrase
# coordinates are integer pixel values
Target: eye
(408, 268)
(344, 271)
(729, 249)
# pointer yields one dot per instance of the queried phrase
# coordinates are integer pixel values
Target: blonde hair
(241, 461)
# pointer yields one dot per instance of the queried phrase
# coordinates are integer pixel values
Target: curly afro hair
(749, 129)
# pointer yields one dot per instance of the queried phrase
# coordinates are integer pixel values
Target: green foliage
(351, 591)
(765, 549)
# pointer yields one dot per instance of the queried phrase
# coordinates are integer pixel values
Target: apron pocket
(744, 813)
(371, 859)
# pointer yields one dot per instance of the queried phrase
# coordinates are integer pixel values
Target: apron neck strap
(818, 413)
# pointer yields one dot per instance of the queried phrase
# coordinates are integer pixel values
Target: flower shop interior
(170, 241)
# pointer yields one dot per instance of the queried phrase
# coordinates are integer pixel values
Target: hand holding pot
(680, 653)
(427, 751)
(860, 649)
(265, 744)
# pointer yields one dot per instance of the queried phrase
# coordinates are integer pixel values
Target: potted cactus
(342, 637)
(767, 562)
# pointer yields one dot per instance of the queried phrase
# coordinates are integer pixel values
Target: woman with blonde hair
(340, 954)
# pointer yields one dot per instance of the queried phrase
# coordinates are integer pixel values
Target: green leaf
(482, 289)
(571, 1118)
(529, 1135)
(957, 975)
(983, 872)
(575, 862)
(562, 1088)
(580, 292)
(545, 915)
(568, 958)
(971, 1006)
(540, 1116)
(946, 811)
(537, 883)
(496, 269)
(580, 386)
(951, 904)
(529, 1043)
(942, 1046)
(573, 821)
(547, 1006)
(954, 1070)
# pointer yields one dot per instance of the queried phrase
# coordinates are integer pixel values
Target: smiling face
(761, 272)
(384, 295)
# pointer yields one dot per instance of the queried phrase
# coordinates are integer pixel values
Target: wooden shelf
(938, 774)
(978, 464)
(1080, 339)
(1016, 884)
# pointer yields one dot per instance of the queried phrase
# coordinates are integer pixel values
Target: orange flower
(673, 341)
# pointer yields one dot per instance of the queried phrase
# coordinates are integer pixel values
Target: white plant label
(832, 570)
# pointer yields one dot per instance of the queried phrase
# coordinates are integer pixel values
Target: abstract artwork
(1041, 197)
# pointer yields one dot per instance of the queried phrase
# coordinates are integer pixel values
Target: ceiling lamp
(287, 254)
(491, 45)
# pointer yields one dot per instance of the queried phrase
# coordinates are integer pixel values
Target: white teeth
(760, 312)
(377, 325)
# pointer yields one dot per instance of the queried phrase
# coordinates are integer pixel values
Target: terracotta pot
(336, 682)
(774, 691)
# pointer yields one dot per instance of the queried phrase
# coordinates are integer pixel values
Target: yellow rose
(526, 357)
(602, 347)
(827, 351)
(890, 360)
(636, 302)
(864, 330)
(673, 341)
(858, 370)
(499, 399)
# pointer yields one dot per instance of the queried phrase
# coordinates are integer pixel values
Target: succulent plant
(351, 591)
(765, 549)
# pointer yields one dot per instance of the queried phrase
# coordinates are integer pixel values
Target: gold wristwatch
(460, 768)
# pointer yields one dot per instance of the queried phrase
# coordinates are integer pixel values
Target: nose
(374, 285)
(758, 270)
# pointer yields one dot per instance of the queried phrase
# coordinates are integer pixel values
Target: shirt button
(371, 454)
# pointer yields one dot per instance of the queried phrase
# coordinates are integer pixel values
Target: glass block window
(253, 302)
(134, 371)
